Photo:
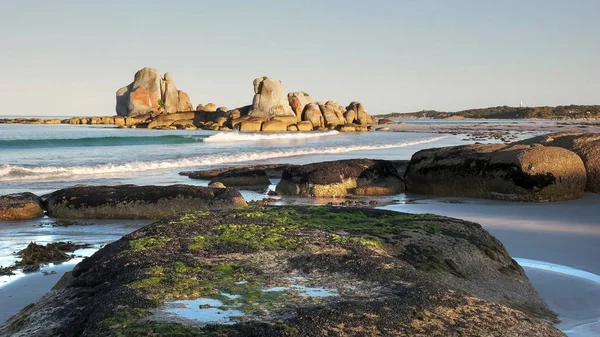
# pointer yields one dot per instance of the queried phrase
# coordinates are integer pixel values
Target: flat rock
(294, 271)
(138, 202)
(20, 206)
(497, 171)
(273, 171)
(242, 177)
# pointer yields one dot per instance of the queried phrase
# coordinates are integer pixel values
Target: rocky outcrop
(242, 177)
(340, 178)
(385, 121)
(274, 126)
(138, 202)
(496, 171)
(270, 99)
(34, 255)
(362, 116)
(585, 144)
(20, 206)
(299, 100)
(312, 113)
(151, 93)
(183, 101)
(333, 113)
(295, 271)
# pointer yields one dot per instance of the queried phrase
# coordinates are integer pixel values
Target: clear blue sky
(69, 57)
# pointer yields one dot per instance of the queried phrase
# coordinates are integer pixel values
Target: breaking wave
(230, 137)
(14, 173)
(98, 141)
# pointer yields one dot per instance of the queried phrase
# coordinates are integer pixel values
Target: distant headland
(565, 112)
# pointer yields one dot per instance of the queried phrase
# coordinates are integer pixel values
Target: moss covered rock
(294, 271)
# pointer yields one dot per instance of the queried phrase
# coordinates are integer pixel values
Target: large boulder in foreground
(497, 171)
(585, 144)
(294, 271)
(138, 202)
(20, 206)
(270, 99)
(342, 177)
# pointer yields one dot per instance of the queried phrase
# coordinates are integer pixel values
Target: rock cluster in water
(153, 102)
(294, 271)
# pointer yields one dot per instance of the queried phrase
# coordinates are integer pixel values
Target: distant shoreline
(561, 112)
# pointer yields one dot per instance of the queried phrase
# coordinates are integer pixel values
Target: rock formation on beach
(498, 171)
(340, 178)
(138, 202)
(151, 93)
(585, 144)
(270, 99)
(20, 206)
(294, 271)
(154, 102)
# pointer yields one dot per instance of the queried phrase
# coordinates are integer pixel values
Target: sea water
(43, 158)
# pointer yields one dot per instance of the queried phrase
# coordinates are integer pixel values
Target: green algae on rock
(294, 271)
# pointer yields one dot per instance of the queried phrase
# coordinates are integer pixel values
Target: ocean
(43, 158)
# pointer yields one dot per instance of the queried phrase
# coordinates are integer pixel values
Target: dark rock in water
(138, 202)
(585, 144)
(20, 206)
(35, 255)
(5, 271)
(242, 177)
(339, 178)
(497, 171)
(295, 271)
(273, 171)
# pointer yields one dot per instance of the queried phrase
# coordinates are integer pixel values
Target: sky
(68, 58)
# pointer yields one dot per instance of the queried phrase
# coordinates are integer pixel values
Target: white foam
(229, 137)
(557, 268)
(18, 173)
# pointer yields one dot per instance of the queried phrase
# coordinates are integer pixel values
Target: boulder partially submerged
(497, 171)
(272, 170)
(294, 271)
(342, 177)
(138, 202)
(20, 206)
(585, 144)
(242, 177)
(35, 255)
